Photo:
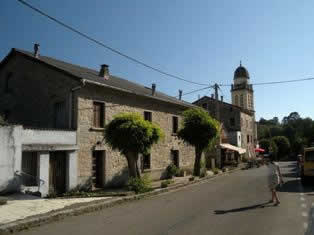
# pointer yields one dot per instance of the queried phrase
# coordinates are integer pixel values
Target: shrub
(165, 183)
(192, 178)
(180, 173)
(216, 171)
(203, 173)
(140, 185)
(171, 170)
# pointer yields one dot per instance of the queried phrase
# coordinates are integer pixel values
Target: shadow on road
(257, 206)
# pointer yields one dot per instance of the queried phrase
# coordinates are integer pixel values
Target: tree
(264, 144)
(199, 130)
(130, 134)
(283, 145)
(273, 149)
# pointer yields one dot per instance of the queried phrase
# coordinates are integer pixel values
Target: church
(238, 118)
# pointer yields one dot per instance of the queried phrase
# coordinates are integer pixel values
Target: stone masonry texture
(34, 89)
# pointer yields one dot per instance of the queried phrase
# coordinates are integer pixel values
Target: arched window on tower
(236, 100)
(241, 100)
(249, 101)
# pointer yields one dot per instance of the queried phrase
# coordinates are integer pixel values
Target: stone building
(42, 92)
(238, 118)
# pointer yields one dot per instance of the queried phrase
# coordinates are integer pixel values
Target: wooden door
(98, 168)
(57, 172)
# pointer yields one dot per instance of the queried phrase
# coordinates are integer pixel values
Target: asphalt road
(231, 204)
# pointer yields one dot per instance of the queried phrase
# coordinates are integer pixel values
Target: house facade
(42, 92)
(238, 118)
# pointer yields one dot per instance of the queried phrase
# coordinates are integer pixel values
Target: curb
(56, 215)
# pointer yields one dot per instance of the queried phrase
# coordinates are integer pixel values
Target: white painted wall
(33, 136)
(10, 157)
(12, 139)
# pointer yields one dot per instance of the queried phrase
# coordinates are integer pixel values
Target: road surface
(233, 204)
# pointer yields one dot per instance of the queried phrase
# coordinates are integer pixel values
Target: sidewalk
(21, 206)
(24, 211)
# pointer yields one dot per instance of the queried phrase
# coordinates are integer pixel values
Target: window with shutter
(98, 113)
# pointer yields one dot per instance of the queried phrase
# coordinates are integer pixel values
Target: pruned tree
(130, 134)
(199, 129)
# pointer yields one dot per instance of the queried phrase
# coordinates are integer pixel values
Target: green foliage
(129, 132)
(283, 145)
(180, 172)
(264, 144)
(140, 185)
(216, 171)
(274, 149)
(165, 183)
(199, 129)
(299, 131)
(171, 170)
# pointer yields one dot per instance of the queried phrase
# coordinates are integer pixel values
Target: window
(174, 124)
(241, 101)
(29, 168)
(248, 139)
(59, 115)
(98, 168)
(98, 111)
(148, 116)
(146, 161)
(175, 157)
(205, 105)
(236, 100)
(232, 122)
(7, 83)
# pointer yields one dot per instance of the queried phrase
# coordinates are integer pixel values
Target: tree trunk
(131, 158)
(137, 169)
(197, 163)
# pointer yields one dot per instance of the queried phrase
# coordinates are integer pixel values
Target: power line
(275, 82)
(190, 92)
(105, 46)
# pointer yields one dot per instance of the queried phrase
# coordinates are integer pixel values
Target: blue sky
(199, 40)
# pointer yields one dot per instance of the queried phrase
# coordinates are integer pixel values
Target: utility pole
(216, 87)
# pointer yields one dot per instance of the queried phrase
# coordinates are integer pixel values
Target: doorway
(57, 172)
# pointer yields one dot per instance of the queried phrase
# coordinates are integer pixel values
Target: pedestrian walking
(274, 179)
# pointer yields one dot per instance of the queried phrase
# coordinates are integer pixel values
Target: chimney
(213, 96)
(180, 94)
(153, 88)
(104, 71)
(36, 50)
(222, 98)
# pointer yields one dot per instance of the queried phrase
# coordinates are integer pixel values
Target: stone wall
(34, 90)
(117, 102)
(248, 129)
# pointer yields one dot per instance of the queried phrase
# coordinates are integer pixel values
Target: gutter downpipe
(71, 98)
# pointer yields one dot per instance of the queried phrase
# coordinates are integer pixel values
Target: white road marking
(303, 205)
(302, 198)
(304, 214)
(305, 225)
(302, 194)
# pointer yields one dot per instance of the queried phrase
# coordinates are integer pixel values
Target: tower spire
(240, 63)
